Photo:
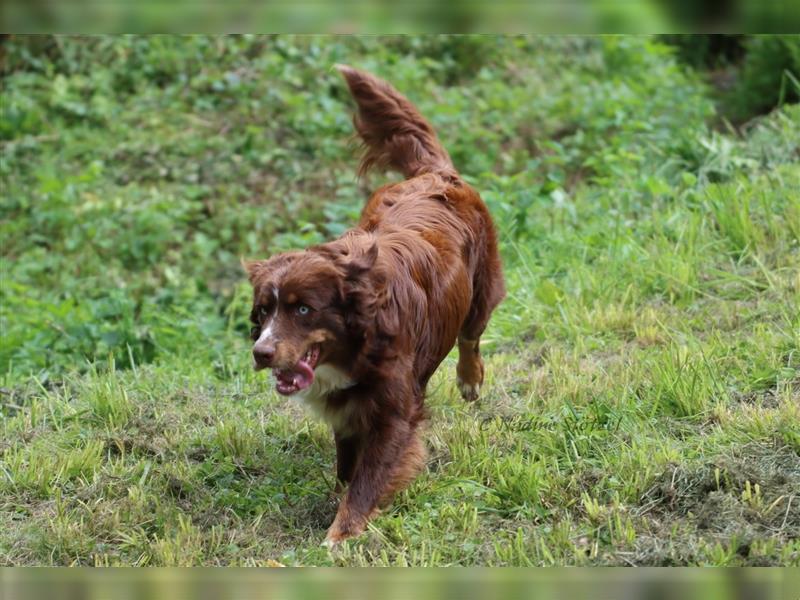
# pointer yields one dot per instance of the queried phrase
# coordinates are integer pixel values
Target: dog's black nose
(263, 354)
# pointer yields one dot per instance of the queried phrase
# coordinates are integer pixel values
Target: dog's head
(309, 309)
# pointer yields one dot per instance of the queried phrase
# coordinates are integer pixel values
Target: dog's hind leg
(470, 370)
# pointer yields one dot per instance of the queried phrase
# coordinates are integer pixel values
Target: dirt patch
(136, 445)
(765, 399)
(750, 494)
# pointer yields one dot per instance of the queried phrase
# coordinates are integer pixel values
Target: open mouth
(300, 376)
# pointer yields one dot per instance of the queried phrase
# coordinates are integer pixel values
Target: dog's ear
(360, 283)
(253, 268)
(350, 256)
(260, 269)
(371, 310)
(355, 266)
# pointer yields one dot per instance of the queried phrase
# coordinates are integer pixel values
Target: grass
(643, 390)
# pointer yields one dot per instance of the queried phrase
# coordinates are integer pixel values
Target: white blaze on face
(266, 333)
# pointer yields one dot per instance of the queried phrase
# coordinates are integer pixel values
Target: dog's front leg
(383, 447)
(347, 449)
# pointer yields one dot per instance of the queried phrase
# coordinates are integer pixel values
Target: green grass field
(642, 402)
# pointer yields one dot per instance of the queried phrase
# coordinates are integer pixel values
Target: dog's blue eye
(302, 309)
(262, 310)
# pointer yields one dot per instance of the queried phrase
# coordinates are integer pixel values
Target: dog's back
(433, 227)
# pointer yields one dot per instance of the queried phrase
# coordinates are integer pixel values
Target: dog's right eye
(262, 311)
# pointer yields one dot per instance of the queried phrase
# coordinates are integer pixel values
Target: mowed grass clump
(642, 398)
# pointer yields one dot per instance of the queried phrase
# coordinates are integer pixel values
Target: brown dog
(357, 326)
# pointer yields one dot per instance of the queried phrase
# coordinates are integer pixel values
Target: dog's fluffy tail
(394, 132)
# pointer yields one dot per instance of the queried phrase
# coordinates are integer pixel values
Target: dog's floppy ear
(356, 266)
(260, 269)
(352, 255)
(359, 281)
(371, 312)
(253, 268)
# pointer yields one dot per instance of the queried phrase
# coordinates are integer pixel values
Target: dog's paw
(469, 391)
(329, 544)
(336, 536)
(346, 525)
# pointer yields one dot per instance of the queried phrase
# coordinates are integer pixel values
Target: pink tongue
(304, 375)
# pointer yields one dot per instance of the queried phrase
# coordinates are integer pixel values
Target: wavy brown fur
(386, 303)
(394, 133)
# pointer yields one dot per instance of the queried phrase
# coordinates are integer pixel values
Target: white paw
(332, 541)
(329, 544)
(469, 391)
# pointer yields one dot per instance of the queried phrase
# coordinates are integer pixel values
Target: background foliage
(650, 333)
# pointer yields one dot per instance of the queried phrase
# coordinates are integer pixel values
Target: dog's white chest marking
(327, 379)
